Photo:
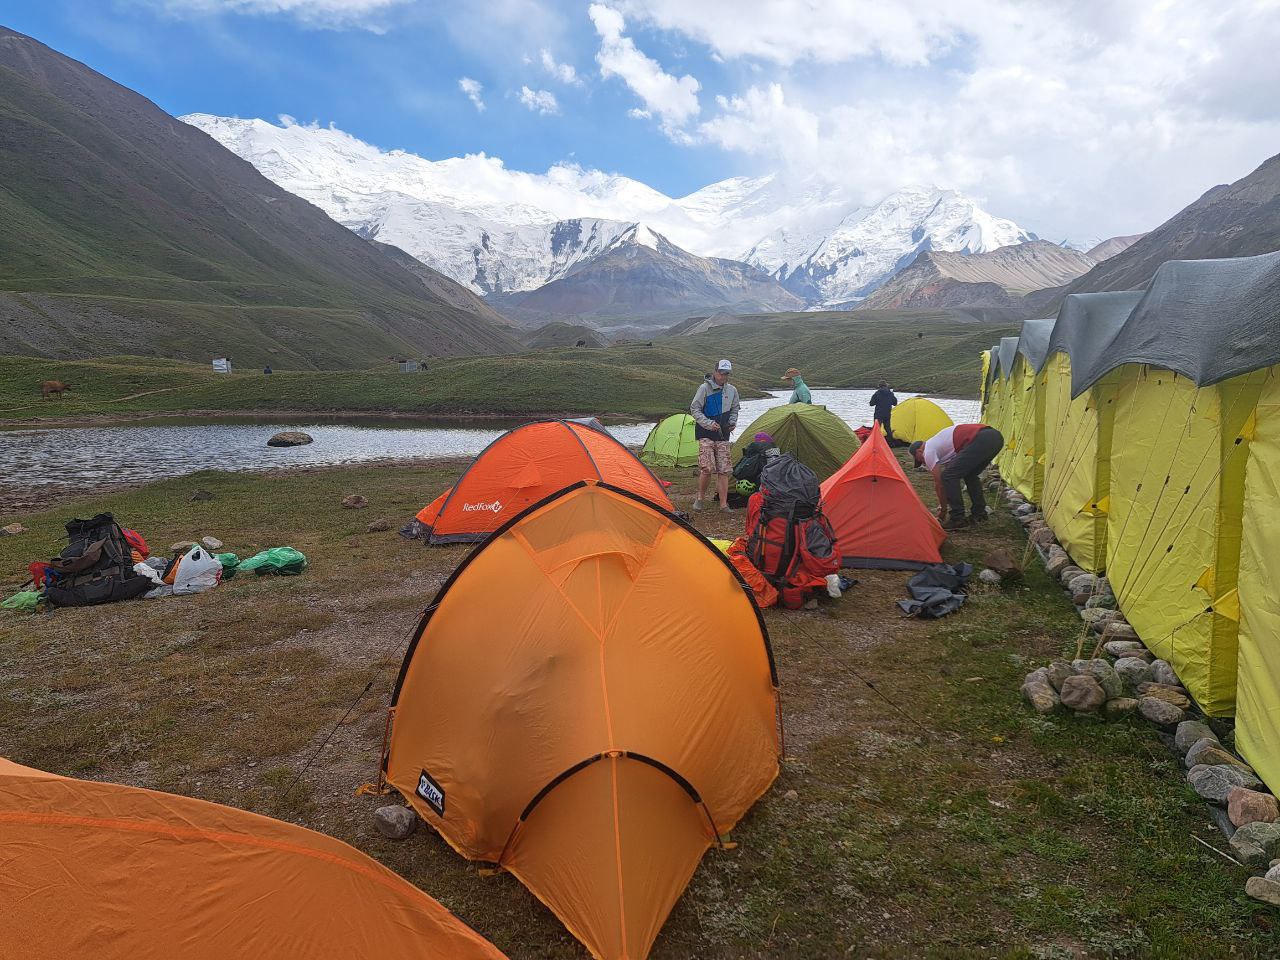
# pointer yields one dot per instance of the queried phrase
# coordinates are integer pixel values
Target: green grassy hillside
(626, 381)
(127, 231)
(924, 351)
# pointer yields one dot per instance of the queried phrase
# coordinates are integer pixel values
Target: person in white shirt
(956, 456)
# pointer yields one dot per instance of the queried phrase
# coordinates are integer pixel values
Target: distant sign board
(221, 365)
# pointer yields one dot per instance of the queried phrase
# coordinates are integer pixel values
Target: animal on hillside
(53, 388)
(581, 343)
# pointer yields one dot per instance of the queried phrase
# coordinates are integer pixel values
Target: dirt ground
(922, 810)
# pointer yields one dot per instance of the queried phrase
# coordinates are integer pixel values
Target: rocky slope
(127, 231)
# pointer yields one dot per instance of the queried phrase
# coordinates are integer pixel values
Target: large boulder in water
(289, 438)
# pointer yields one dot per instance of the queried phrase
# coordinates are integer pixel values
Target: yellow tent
(1010, 407)
(1077, 431)
(918, 418)
(1025, 452)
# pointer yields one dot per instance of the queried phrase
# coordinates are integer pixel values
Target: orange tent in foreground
(526, 465)
(590, 703)
(109, 872)
(879, 519)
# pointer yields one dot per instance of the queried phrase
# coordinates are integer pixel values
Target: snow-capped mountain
(501, 231)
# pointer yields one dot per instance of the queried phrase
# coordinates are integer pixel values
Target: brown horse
(53, 388)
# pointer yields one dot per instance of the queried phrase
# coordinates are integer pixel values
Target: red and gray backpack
(790, 540)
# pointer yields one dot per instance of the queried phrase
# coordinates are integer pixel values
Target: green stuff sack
(230, 564)
(24, 601)
(281, 561)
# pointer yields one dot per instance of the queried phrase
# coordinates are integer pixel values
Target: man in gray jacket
(715, 413)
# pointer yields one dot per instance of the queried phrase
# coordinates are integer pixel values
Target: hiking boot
(697, 504)
(725, 508)
(978, 518)
(955, 523)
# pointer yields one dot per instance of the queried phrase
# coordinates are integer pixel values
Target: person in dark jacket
(884, 401)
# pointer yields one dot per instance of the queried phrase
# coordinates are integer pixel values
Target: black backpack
(96, 566)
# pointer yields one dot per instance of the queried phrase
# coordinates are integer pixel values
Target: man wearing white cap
(715, 413)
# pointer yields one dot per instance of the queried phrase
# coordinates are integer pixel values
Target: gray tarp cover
(1208, 320)
(1087, 323)
(993, 365)
(1008, 352)
(1034, 341)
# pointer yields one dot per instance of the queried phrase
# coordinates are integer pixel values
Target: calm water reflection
(85, 455)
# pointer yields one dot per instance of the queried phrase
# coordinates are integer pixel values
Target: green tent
(811, 433)
(671, 443)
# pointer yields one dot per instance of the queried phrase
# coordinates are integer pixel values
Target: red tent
(879, 519)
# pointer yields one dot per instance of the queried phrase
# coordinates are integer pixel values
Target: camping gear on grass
(671, 443)
(590, 703)
(24, 601)
(918, 418)
(879, 519)
(937, 591)
(230, 564)
(811, 433)
(95, 567)
(112, 872)
(279, 561)
(788, 538)
(526, 465)
(198, 571)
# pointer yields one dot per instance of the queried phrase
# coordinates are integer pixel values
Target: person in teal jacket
(799, 392)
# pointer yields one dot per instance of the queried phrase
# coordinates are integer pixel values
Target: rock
(1159, 691)
(989, 576)
(1190, 732)
(1023, 508)
(1132, 670)
(1036, 524)
(1002, 562)
(1056, 561)
(1095, 615)
(1216, 782)
(1124, 648)
(353, 501)
(1161, 672)
(1038, 675)
(213, 544)
(1211, 753)
(1059, 670)
(12, 530)
(289, 438)
(1118, 629)
(1273, 873)
(1157, 711)
(1042, 697)
(1255, 844)
(1107, 678)
(1260, 888)
(1082, 693)
(1251, 806)
(1103, 588)
(791, 795)
(1117, 708)
(182, 546)
(1027, 519)
(201, 495)
(394, 821)
(1100, 600)
(1042, 538)
(1068, 573)
(378, 526)
(1097, 624)
(1083, 583)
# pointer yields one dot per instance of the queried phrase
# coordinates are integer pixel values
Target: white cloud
(473, 89)
(539, 101)
(1075, 119)
(564, 72)
(673, 100)
(319, 13)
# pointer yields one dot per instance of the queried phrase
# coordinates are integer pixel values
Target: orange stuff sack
(529, 464)
(761, 588)
(590, 703)
(109, 872)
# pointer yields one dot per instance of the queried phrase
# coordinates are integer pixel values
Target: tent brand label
(431, 792)
(495, 507)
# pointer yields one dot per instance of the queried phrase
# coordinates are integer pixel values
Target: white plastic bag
(199, 571)
(148, 571)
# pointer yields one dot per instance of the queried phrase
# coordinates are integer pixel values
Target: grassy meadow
(931, 816)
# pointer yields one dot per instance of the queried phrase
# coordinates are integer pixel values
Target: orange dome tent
(526, 465)
(113, 872)
(596, 720)
(880, 521)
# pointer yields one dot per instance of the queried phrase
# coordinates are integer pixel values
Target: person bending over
(956, 456)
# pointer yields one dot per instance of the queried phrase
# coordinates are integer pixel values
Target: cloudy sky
(1076, 118)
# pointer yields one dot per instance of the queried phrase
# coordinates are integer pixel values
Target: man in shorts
(715, 413)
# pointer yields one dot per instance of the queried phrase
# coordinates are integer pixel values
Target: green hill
(923, 351)
(127, 231)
